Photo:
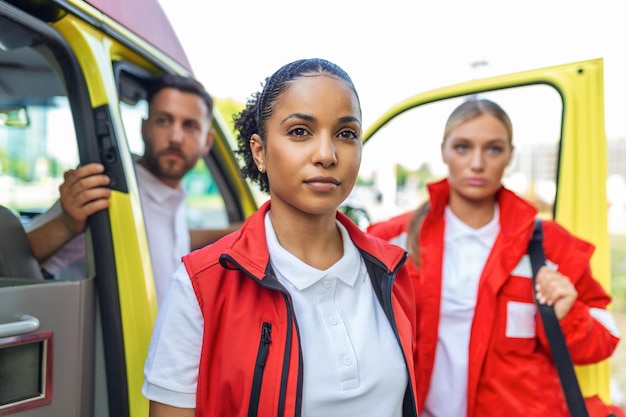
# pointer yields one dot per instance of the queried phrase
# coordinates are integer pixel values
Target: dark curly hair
(260, 106)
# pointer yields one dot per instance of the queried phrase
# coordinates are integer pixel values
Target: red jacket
(393, 230)
(508, 376)
(251, 361)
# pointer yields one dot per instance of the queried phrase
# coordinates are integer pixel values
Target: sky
(394, 49)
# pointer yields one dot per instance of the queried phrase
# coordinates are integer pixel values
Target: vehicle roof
(146, 19)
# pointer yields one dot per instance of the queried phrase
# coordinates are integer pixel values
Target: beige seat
(16, 257)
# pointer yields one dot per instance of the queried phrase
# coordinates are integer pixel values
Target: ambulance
(73, 78)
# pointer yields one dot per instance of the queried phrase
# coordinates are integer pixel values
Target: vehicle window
(38, 140)
(206, 207)
(404, 155)
(37, 136)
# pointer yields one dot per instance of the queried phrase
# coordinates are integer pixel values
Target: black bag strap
(560, 353)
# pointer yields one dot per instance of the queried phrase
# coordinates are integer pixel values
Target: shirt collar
(457, 229)
(301, 275)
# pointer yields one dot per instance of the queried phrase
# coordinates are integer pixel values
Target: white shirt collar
(457, 229)
(301, 275)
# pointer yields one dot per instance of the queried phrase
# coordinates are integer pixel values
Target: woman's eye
(461, 147)
(348, 134)
(298, 131)
(495, 149)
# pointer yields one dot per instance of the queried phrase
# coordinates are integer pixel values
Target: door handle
(26, 324)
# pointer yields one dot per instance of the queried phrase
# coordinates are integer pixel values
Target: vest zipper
(261, 358)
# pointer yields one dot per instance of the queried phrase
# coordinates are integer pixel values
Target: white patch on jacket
(520, 319)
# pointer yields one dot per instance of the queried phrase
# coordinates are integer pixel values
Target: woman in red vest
(298, 313)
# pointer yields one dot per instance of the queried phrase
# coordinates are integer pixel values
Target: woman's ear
(258, 150)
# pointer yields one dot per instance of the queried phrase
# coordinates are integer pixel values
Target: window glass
(37, 136)
(38, 141)
(205, 205)
(405, 155)
(132, 115)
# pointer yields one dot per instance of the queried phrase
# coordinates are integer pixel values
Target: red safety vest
(251, 361)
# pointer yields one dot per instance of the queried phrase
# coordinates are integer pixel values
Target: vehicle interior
(38, 106)
(66, 335)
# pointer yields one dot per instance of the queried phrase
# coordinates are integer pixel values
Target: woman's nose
(478, 159)
(326, 152)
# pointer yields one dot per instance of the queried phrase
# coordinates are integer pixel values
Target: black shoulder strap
(560, 353)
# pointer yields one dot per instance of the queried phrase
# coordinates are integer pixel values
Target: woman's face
(477, 153)
(312, 151)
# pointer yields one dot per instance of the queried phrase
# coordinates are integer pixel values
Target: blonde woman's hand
(555, 289)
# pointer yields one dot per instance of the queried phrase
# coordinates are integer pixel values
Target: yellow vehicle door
(560, 161)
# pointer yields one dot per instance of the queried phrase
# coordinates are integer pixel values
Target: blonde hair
(473, 108)
(413, 232)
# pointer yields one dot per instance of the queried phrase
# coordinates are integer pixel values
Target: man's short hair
(181, 83)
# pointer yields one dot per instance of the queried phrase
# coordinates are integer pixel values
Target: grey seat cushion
(16, 257)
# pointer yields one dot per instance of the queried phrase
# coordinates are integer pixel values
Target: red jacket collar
(519, 213)
(249, 248)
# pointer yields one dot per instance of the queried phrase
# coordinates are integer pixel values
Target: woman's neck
(475, 214)
(314, 239)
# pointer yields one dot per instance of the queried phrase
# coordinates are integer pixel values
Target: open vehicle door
(560, 160)
(72, 91)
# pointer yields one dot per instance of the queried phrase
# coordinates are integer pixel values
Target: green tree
(229, 107)
(423, 174)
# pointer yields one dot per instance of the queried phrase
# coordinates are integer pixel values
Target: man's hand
(83, 192)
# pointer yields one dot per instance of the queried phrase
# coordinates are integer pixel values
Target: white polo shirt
(353, 364)
(165, 215)
(465, 253)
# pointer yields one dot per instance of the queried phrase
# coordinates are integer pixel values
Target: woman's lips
(322, 184)
(475, 181)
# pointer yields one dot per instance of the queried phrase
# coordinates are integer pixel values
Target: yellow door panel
(562, 168)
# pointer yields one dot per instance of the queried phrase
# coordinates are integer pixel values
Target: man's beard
(167, 169)
(170, 170)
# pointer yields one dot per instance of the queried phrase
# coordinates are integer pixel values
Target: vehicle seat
(16, 257)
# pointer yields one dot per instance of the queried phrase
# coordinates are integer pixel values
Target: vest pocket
(257, 380)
